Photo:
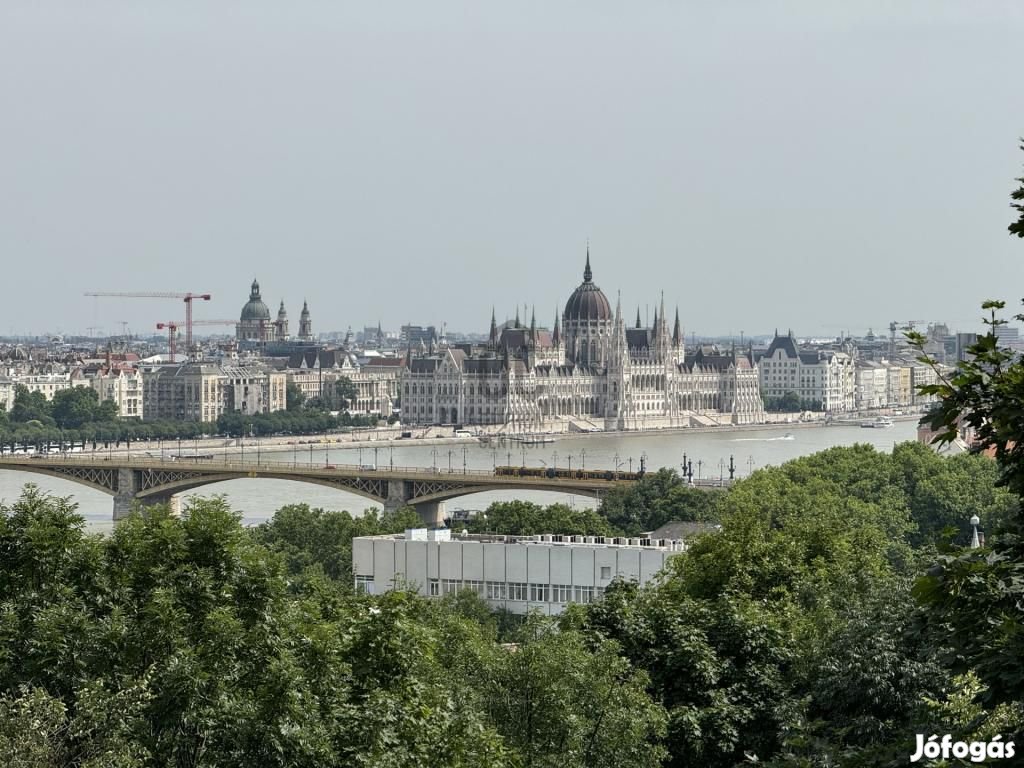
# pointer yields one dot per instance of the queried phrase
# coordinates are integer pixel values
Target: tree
(30, 406)
(523, 518)
(294, 397)
(346, 392)
(312, 538)
(787, 403)
(75, 406)
(1017, 227)
(975, 598)
(657, 499)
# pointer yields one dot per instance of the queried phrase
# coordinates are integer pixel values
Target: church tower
(281, 325)
(305, 324)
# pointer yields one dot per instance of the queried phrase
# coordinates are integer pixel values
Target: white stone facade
(598, 375)
(122, 387)
(822, 379)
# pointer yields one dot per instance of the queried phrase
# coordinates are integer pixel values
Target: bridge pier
(398, 495)
(431, 513)
(128, 485)
(127, 488)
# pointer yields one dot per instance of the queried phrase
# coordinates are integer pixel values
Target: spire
(305, 307)
(662, 315)
(638, 318)
(517, 316)
(493, 338)
(655, 325)
(588, 276)
(556, 335)
(677, 332)
(533, 326)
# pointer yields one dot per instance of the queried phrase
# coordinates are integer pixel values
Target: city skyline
(803, 170)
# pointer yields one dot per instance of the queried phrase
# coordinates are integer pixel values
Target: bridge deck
(299, 469)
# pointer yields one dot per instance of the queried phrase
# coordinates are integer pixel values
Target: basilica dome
(588, 302)
(255, 310)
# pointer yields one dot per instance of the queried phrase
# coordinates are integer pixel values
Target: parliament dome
(588, 302)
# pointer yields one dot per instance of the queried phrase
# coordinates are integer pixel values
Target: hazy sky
(819, 165)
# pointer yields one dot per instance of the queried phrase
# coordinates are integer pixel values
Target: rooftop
(546, 539)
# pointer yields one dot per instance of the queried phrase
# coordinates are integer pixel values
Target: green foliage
(1017, 227)
(294, 397)
(658, 498)
(345, 392)
(523, 518)
(30, 406)
(76, 406)
(312, 538)
(787, 403)
(184, 642)
(976, 598)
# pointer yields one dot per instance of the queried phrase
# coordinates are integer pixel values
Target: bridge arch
(190, 484)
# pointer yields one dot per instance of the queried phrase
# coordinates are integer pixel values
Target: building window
(450, 586)
(561, 593)
(539, 593)
(606, 571)
(434, 588)
(584, 595)
(364, 584)
(476, 587)
(517, 591)
(496, 590)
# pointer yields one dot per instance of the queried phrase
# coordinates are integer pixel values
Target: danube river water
(257, 499)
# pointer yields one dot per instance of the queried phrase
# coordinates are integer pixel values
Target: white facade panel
(604, 567)
(561, 565)
(416, 564)
(431, 549)
(539, 565)
(473, 561)
(383, 562)
(583, 566)
(628, 564)
(651, 561)
(494, 563)
(515, 564)
(450, 560)
(362, 557)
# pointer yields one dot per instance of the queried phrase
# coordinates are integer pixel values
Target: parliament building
(590, 372)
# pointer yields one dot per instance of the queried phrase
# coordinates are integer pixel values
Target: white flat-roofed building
(517, 573)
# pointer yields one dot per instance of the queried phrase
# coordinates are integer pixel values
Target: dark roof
(588, 302)
(637, 338)
(423, 364)
(516, 338)
(387, 362)
(479, 365)
(329, 358)
(786, 343)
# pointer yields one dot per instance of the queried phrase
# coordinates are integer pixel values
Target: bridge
(148, 481)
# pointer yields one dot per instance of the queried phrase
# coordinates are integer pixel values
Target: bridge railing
(214, 463)
(152, 462)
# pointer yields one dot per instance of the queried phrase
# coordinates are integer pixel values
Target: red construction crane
(172, 327)
(188, 298)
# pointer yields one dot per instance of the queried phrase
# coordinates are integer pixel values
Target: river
(257, 499)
